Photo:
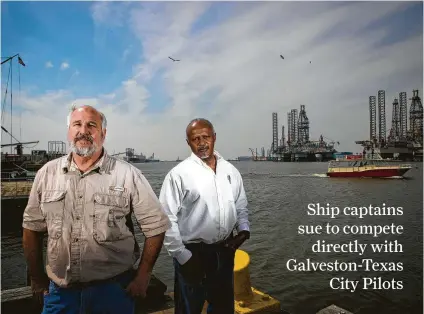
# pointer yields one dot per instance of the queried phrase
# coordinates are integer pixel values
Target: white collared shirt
(201, 205)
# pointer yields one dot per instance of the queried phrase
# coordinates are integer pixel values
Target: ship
(15, 165)
(244, 158)
(132, 157)
(152, 159)
(339, 155)
(21, 166)
(370, 165)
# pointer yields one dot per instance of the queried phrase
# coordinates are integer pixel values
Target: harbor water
(279, 194)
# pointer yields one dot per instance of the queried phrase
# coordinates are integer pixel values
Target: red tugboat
(362, 166)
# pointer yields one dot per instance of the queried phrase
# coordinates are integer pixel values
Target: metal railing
(17, 176)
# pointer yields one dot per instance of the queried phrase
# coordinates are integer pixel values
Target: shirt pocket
(109, 223)
(53, 205)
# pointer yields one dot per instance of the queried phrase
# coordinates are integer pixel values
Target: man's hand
(138, 286)
(238, 240)
(33, 251)
(40, 287)
(193, 270)
(152, 246)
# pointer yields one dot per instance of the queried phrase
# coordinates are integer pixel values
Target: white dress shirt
(203, 206)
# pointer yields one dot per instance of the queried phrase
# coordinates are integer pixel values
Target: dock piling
(249, 300)
(333, 309)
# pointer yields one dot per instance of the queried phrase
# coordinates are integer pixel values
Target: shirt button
(80, 196)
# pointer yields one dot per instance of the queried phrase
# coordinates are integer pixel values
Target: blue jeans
(103, 298)
(217, 287)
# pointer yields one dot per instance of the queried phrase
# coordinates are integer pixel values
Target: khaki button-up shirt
(88, 217)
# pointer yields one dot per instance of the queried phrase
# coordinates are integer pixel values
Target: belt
(81, 285)
(203, 245)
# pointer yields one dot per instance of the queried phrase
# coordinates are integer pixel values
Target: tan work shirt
(85, 217)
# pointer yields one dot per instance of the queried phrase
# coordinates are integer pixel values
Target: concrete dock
(248, 300)
(15, 189)
(20, 300)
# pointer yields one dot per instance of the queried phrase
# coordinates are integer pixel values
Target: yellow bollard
(247, 299)
(242, 286)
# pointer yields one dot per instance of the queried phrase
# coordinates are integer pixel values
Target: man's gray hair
(75, 107)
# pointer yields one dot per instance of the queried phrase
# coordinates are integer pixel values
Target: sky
(114, 56)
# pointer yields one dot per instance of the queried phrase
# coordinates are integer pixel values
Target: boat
(338, 155)
(19, 166)
(244, 158)
(132, 157)
(152, 159)
(366, 165)
(353, 157)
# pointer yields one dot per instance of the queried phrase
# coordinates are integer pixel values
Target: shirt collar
(68, 163)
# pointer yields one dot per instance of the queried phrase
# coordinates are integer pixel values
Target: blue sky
(115, 55)
(65, 32)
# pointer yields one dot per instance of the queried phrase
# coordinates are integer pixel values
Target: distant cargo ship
(132, 157)
(152, 159)
(135, 159)
(244, 158)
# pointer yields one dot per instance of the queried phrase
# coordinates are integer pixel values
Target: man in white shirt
(205, 201)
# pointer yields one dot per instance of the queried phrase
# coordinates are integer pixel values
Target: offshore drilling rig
(298, 146)
(401, 143)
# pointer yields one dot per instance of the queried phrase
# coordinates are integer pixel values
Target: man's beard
(204, 154)
(83, 151)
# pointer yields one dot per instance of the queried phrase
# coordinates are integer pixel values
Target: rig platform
(402, 143)
(299, 146)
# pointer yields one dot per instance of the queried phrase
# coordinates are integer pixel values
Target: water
(278, 197)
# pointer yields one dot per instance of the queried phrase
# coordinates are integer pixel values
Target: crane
(18, 144)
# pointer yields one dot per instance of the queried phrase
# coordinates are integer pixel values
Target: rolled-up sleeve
(33, 218)
(147, 209)
(241, 207)
(170, 197)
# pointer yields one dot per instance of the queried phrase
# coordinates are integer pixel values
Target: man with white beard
(84, 201)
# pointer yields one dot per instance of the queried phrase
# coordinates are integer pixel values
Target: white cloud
(49, 64)
(231, 73)
(109, 14)
(64, 66)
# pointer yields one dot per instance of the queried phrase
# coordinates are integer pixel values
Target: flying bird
(173, 59)
(282, 57)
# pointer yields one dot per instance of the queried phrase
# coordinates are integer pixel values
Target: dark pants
(216, 287)
(108, 297)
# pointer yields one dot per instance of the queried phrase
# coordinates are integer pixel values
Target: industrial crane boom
(16, 144)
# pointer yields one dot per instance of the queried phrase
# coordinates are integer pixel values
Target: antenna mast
(11, 93)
